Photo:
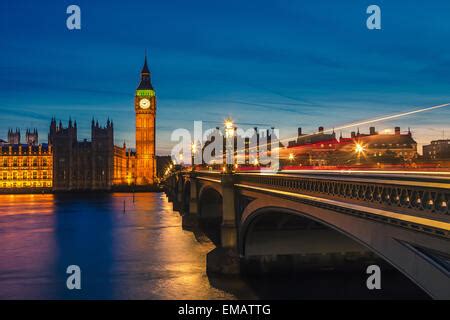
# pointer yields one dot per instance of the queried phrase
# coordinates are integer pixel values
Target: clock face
(144, 103)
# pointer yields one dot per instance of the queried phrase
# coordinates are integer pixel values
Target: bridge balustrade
(416, 200)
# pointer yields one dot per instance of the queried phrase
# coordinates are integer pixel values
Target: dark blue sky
(273, 63)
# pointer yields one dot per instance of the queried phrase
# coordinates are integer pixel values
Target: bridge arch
(206, 185)
(210, 202)
(390, 243)
(272, 231)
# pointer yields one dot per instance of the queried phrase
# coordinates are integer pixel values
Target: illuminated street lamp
(181, 159)
(194, 151)
(229, 127)
(359, 150)
(229, 135)
(291, 157)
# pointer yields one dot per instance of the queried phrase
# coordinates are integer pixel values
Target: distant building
(31, 137)
(124, 166)
(25, 166)
(321, 149)
(305, 139)
(82, 165)
(387, 147)
(14, 136)
(317, 149)
(437, 150)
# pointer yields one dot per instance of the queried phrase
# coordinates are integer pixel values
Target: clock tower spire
(145, 110)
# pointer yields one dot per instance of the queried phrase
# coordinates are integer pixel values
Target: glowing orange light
(359, 148)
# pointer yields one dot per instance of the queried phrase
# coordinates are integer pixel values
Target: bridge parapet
(430, 200)
(420, 199)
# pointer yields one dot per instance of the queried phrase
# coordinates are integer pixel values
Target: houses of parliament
(66, 164)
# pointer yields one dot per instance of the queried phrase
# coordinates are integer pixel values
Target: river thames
(133, 247)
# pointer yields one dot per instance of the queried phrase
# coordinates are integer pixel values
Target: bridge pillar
(169, 188)
(225, 259)
(178, 203)
(190, 219)
(228, 229)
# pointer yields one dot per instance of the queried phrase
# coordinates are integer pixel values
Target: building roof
(390, 141)
(15, 147)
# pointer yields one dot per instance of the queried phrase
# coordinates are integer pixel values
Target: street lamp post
(229, 135)
(181, 160)
(193, 150)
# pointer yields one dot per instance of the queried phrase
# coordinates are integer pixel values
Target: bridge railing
(418, 200)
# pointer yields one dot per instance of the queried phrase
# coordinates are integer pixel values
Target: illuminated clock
(144, 103)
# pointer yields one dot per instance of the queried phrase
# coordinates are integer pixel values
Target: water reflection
(133, 247)
(157, 258)
(127, 246)
(27, 245)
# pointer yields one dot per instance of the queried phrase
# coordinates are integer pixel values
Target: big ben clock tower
(145, 109)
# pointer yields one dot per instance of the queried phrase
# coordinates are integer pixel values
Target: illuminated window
(34, 175)
(35, 162)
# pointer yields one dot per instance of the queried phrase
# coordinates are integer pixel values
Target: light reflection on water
(139, 253)
(133, 247)
(27, 245)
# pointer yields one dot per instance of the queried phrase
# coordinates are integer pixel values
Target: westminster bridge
(323, 219)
